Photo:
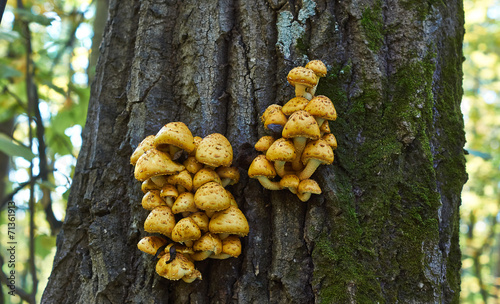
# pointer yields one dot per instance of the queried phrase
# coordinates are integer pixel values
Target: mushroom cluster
(183, 180)
(306, 141)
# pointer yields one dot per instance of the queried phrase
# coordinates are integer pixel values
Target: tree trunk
(385, 228)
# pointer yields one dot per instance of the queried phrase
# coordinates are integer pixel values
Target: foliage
(44, 91)
(481, 195)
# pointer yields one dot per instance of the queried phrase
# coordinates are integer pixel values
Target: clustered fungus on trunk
(306, 141)
(183, 180)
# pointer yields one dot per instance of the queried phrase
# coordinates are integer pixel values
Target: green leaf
(9, 36)
(11, 148)
(28, 16)
(7, 72)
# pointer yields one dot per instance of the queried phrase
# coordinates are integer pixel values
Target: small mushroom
(192, 165)
(229, 221)
(154, 162)
(175, 135)
(184, 204)
(264, 143)
(186, 231)
(324, 128)
(306, 187)
(302, 78)
(146, 144)
(160, 220)
(211, 197)
(290, 182)
(204, 176)
(148, 185)
(159, 180)
(215, 150)
(330, 140)
(169, 193)
(231, 247)
(295, 104)
(201, 219)
(151, 244)
(262, 169)
(273, 115)
(316, 153)
(205, 246)
(280, 152)
(301, 126)
(319, 68)
(182, 179)
(228, 175)
(321, 107)
(152, 199)
(178, 268)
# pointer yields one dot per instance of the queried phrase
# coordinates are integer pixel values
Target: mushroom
(146, 144)
(184, 204)
(159, 180)
(148, 185)
(280, 152)
(306, 187)
(321, 107)
(316, 153)
(229, 221)
(175, 135)
(182, 179)
(302, 78)
(228, 175)
(201, 219)
(178, 268)
(262, 169)
(204, 176)
(295, 104)
(169, 193)
(152, 199)
(291, 182)
(319, 68)
(330, 140)
(160, 220)
(215, 150)
(211, 197)
(301, 126)
(151, 244)
(154, 162)
(205, 246)
(273, 118)
(231, 247)
(324, 128)
(264, 143)
(197, 141)
(192, 165)
(186, 231)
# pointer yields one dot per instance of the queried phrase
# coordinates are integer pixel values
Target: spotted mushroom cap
(201, 219)
(301, 124)
(192, 165)
(321, 106)
(169, 191)
(215, 150)
(290, 181)
(295, 104)
(308, 185)
(330, 140)
(177, 134)
(230, 173)
(152, 199)
(318, 67)
(261, 166)
(230, 221)
(211, 197)
(160, 220)
(204, 176)
(231, 246)
(181, 266)
(184, 203)
(281, 150)
(186, 230)
(264, 143)
(325, 127)
(146, 144)
(154, 162)
(302, 75)
(208, 242)
(319, 150)
(182, 178)
(151, 244)
(148, 185)
(273, 116)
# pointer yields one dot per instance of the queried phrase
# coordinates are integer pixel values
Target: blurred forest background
(48, 52)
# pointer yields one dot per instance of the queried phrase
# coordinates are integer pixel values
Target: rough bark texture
(385, 228)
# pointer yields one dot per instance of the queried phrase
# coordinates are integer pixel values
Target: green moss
(372, 22)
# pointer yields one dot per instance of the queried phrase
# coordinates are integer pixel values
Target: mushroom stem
(223, 235)
(266, 183)
(311, 166)
(313, 90)
(169, 201)
(299, 144)
(279, 165)
(225, 181)
(304, 196)
(300, 91)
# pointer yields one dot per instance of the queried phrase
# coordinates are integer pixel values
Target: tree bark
(385, 228)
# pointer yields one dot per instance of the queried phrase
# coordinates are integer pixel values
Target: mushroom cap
(318, 67)
(215, 150)
(264, 143)
(273, 115)
(281, 150)
(302, 76)
(192, 165)
(308, 185)
(184, 203)
(261, 166)
(201, 219)
(146, 144)
(211, 197)
(204, 176)
(230, 220)
(290, 181)
(152, 199)
(330, 140)
(301, 124)
(319, 150)
(197, 141)
(160, 220)
(322, 107)
(169, 191)
(232, 201)
(231, 173)
(159, 180)
(295, 104)
(189, 278)
(181, 266)
(325, 127)
(154, 162)
(177, 134)
(208, 242)
(231, 246)
(186, 230)
(151, 244)
(182, 178)
(148, 185)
